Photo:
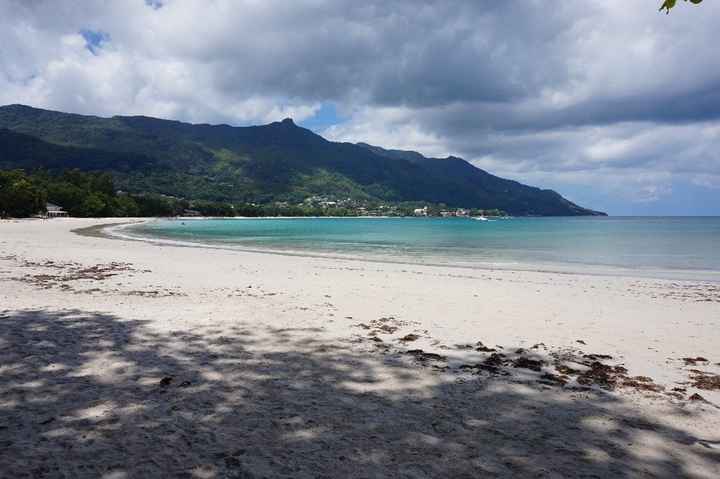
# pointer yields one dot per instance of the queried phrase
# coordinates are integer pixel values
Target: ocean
(664, 247)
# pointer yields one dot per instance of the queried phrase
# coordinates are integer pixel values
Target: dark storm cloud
(397, 53)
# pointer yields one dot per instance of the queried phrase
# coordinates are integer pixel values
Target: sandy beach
(123, 359)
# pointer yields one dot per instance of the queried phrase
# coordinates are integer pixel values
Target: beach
(124, 358)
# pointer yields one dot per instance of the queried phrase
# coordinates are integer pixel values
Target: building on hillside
(192, 213)
(55, 211)
(421, 211)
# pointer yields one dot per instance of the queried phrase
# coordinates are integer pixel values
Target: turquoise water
(676, 247)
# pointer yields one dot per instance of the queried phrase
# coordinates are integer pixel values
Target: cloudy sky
(609, 102)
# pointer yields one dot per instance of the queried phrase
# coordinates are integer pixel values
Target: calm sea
(674, 247)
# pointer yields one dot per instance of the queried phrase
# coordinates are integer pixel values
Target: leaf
(667, 5)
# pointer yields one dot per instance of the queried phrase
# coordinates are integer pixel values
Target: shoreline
(110, 230)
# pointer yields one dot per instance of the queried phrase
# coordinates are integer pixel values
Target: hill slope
(279, 161)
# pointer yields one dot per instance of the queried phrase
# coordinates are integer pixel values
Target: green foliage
(92, 194)
(669, 4)
(93, 206)
(325, 183)
(19, 196)
(80, 193)
(156, 160)
(211, 208)
(159, 205)
(125, 206)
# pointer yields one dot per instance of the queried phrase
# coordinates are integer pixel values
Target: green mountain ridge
(276, 162)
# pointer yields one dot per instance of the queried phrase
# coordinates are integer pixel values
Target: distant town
(353, 207)
(331, 206)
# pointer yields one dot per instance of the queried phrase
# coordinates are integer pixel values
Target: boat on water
(480, 218)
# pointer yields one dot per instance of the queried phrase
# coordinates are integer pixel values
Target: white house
(421, 211)
(55, 211)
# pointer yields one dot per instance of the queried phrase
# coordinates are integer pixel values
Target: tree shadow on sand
(92, 395)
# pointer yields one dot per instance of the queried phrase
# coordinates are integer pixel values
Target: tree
(124, 206)
(67, 195)
(668, 4)
(93, 205)
(19, 197)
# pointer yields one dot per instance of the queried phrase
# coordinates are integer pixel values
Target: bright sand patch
(127, 359)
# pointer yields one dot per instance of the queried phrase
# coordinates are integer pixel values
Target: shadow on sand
(92, 395)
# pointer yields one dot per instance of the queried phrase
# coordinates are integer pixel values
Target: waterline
(671, 248)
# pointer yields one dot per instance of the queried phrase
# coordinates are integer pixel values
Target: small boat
(480, 218)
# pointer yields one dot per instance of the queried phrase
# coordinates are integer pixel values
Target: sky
(609, 102)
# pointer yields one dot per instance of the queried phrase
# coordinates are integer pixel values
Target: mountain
(276, 162)
(18, 150)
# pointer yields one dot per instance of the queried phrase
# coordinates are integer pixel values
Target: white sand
(271, 370)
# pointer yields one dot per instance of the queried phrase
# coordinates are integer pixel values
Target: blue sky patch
(325, 117)
(94, 39)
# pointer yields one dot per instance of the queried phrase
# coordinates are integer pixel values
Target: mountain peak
(277, 162)
(286, 124)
